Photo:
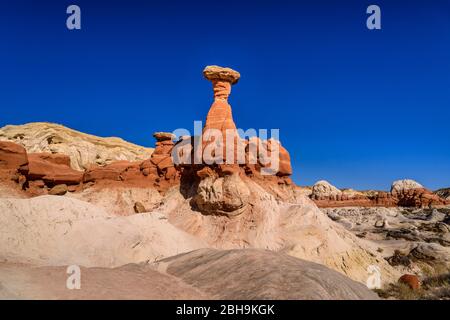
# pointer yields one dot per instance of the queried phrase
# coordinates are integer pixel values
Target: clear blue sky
(359, 108)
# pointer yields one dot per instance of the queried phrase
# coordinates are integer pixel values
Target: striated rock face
(227, 195)
(82, 149)
(443, 193)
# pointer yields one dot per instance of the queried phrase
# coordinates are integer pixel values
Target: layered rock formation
(201, 274)
(82, 149)
(238, 275)
(217, 193)
(443, 193)
(404, 193)
(38, 173)
(186, 206)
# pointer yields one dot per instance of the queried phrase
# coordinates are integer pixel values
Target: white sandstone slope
(52, 230)
(299, 229)
(83, 149)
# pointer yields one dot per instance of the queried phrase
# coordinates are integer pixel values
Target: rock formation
(323, 190)
(412, 194)
(444, 193)
(227, 195)
(136, 210)
(82, 149)
(238, 274)
(201, 274)
(404, 193)
(410, 280)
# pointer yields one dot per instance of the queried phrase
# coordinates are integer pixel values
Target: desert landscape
(141, 226)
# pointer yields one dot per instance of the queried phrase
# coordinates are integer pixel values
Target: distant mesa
(404, 193)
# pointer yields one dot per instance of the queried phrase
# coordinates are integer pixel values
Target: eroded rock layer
(404, 193)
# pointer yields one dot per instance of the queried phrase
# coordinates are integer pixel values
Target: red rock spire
(220, 116)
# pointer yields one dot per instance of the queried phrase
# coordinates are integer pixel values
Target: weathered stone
(52, 169)
(410, 280)
(227, 195)
(82, 149)
(216, 73)
(58, 190)
(12, 155)
(162, 136)
(139, 207)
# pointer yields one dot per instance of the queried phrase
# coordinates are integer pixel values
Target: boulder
(139, 207)
(227, 195)
(410, 280)
(58, 190)
(216, 73)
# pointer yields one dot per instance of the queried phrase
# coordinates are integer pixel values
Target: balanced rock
(216, 73)
(163, 136)
(219, 116)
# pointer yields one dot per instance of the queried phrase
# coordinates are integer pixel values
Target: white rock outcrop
(400, 186)
(323, 189)
(83, 149)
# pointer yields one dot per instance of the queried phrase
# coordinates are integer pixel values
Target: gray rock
(261, 274)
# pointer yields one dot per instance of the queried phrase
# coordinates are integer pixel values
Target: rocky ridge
(404, 193)
(82, 149)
